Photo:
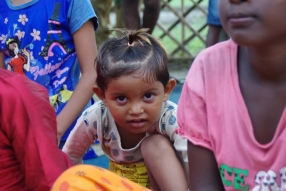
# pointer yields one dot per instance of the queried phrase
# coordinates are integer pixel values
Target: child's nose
(238, 1)
(136, 109)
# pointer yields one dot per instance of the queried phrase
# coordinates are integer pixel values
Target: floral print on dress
(3, 38)
(23, 19)
(36, 34)
(20, 34)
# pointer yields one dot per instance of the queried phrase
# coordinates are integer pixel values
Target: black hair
(132, 52)
(10, 41)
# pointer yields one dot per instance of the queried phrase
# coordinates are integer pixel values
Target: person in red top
(29, 156)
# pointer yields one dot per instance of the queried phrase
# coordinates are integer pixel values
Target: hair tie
(130, 40)
(130, 44)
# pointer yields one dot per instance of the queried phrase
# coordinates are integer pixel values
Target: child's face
(255, 22)
(135, 104)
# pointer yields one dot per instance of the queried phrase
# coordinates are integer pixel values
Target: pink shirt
(29, 156)
(212, 114)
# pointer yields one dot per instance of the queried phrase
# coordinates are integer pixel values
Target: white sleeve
(167, 126)
(82, 136)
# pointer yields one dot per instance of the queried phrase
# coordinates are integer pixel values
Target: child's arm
(180, 144)
(81, 137)
(165, 170)
(203, 168)
(2, 62)
(86, 51)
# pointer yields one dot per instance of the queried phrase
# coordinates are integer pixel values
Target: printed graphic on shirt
(20, 59)
(263, 181)
(233, 177)
(43, 51)
(54, 29)
(266, 181)
(61, 98)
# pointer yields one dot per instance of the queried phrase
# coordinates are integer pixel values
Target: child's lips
(137, 123)
(240, 20)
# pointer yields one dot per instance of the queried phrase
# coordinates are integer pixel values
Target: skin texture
(135, 106)
(19, 2)
(131, 16)
(213, 35)
(159, 147)
(261, 60)
(86, 50)
(262, 76)
(85, 45)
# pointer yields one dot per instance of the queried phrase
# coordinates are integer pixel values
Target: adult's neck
(268, 62)
(19, 2)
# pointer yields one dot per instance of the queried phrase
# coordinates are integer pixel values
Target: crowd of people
(226, 132)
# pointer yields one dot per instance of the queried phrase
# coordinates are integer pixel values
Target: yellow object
(91, 178)
(135, 172)
(53, 99)
(63, 96)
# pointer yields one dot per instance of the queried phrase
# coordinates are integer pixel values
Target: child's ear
(169, 88)
(99, 93)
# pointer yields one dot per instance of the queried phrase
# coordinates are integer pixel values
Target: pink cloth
(213, 114)
(29, 156)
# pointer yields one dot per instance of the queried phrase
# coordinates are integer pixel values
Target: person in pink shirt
(232, 106)
(29, 156)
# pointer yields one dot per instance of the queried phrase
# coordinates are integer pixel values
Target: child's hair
(129, 53)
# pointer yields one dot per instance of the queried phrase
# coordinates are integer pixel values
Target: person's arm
(169, 118)
(179, 143)
(81, 137)
(2, 61)
(164, 167)
(203, 170)
(86, 51)
(213, 35)
(31, 126)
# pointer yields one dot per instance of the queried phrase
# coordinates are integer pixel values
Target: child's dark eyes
(121, 99)
(148, 96)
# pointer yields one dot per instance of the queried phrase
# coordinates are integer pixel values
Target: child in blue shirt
(53, 43)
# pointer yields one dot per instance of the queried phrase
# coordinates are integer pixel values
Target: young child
(52, 42)
(134, 85)
(232, 106)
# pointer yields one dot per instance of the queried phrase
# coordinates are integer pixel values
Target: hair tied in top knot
(130, 40)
